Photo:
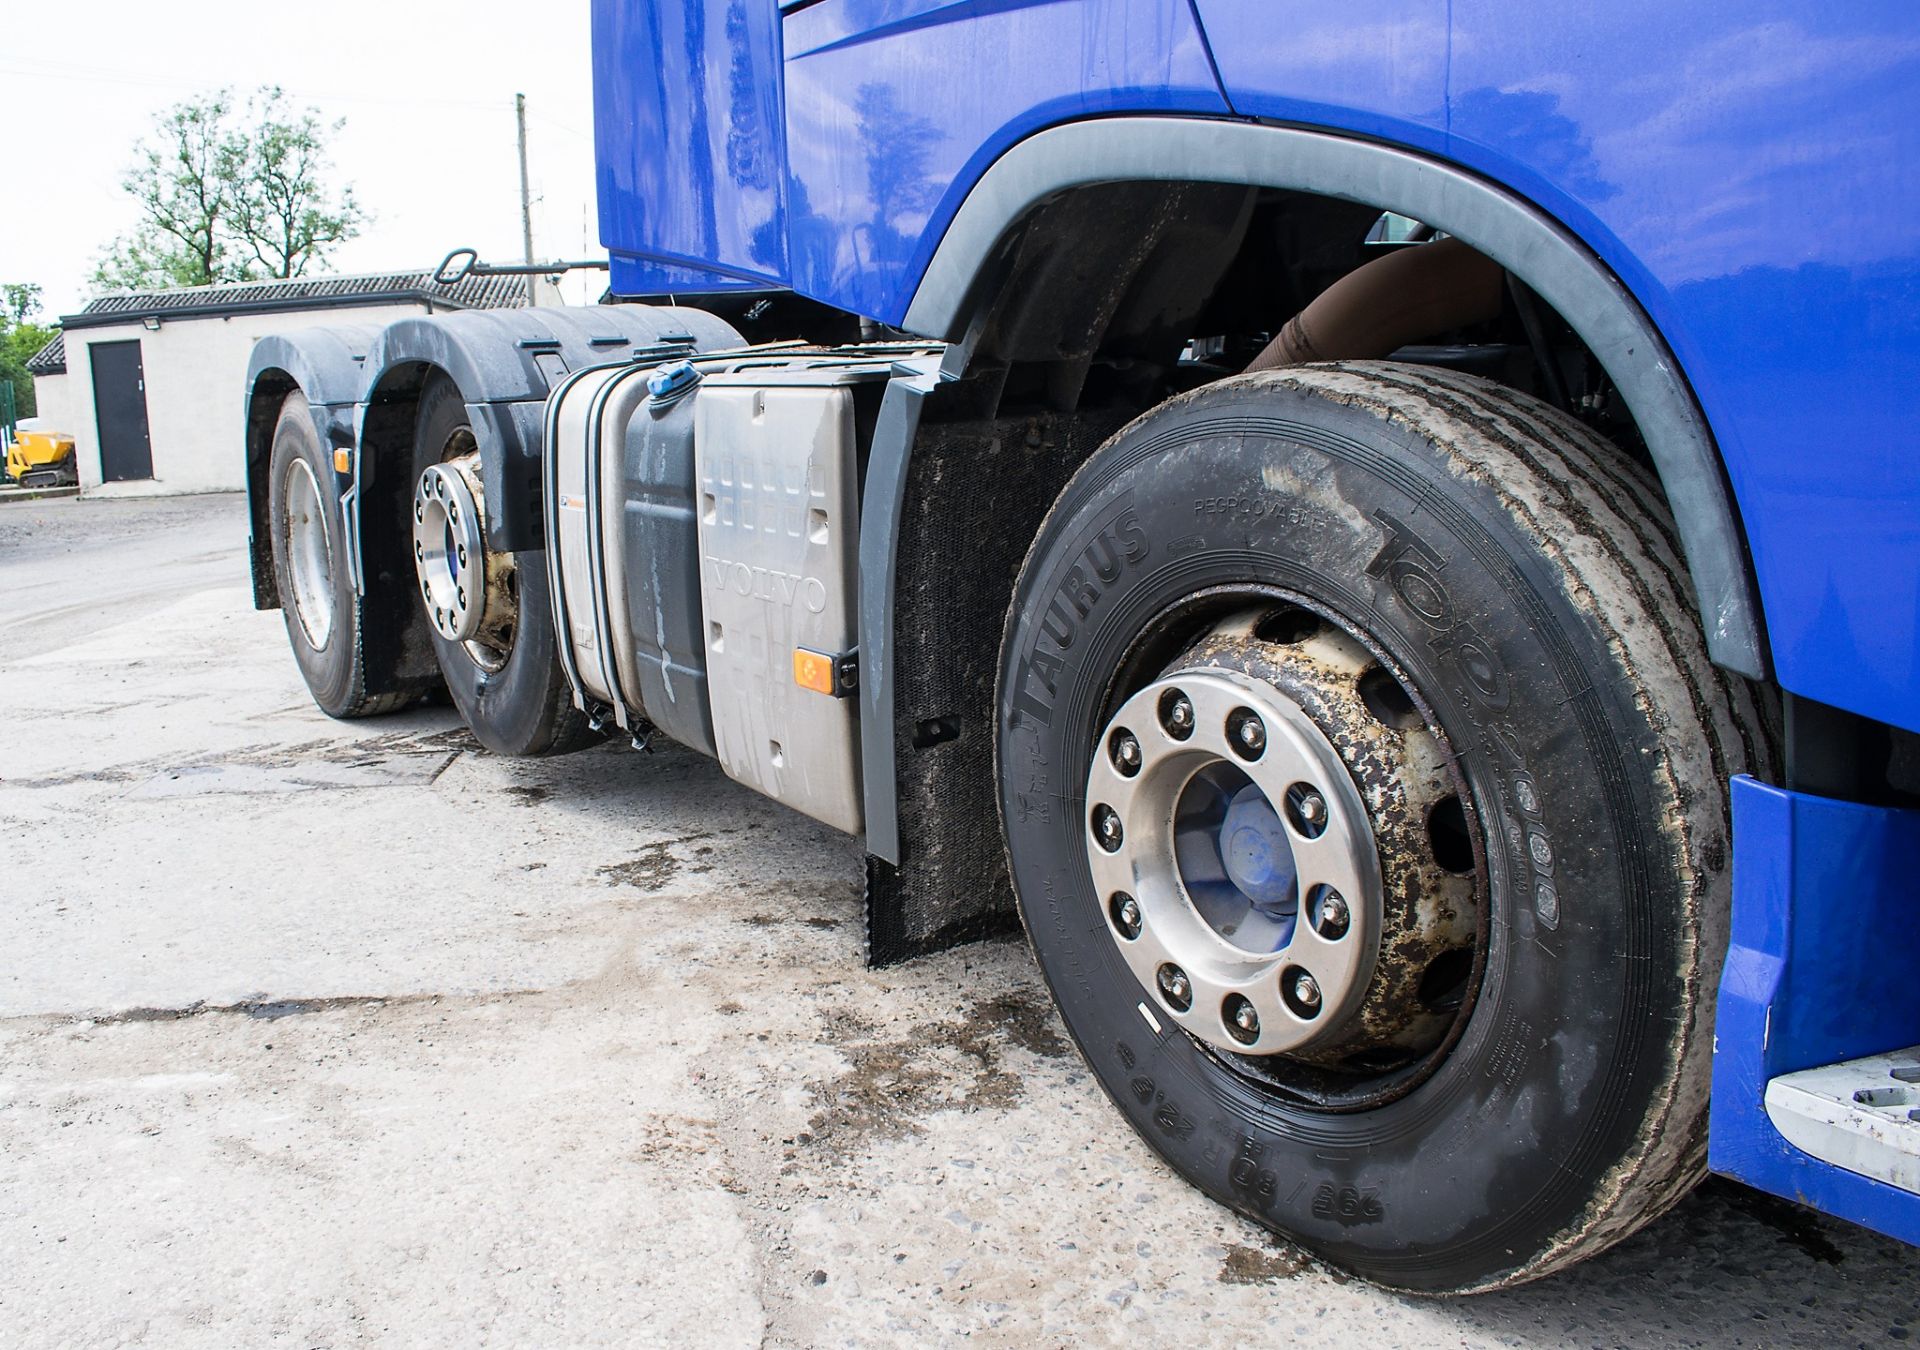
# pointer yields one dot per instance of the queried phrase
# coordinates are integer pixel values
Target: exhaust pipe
(1378, 308)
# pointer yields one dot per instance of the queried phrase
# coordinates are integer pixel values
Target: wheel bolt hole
(1106, 828)
(1329, 913)
(1175, 987)
(1387, 699)
(1246, 733)
(1242, 1022)
(1448, 837)
(1301, 993)
(1124, 749)
(1125, 911)
(1285, 627)
(1307, 810)
(1176, 714)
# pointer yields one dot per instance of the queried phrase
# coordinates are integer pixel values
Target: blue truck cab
(1389, 539)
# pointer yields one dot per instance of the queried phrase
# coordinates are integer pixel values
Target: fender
(1527, 242)
(504, 362)
(325, 364)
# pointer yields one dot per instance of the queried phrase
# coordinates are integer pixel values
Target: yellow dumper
(39, 456)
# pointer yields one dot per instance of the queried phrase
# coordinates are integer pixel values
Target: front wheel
(1364, 781)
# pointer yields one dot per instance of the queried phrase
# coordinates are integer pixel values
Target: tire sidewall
(1474, 1172)
(331, 672)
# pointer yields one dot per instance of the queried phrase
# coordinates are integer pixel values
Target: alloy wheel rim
(309, 554)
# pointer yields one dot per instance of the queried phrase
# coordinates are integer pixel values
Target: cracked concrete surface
(365, 1036)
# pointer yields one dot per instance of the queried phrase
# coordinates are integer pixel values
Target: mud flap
(975, 494)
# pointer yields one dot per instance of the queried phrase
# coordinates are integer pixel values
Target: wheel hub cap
(449, 551)
(1233, 815)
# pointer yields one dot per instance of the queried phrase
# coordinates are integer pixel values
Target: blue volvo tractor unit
(1387, 538)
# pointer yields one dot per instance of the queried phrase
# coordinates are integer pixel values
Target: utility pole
(526, 200)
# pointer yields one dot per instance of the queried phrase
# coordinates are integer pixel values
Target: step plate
(1863, 1115)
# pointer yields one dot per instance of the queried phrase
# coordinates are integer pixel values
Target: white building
(152, 384)
(48, 366)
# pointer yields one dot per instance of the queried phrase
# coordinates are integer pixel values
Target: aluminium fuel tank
(703, 520)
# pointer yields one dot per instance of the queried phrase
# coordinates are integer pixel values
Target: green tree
(19, 340)
(282, 211)
(183, 181)
(229, 194)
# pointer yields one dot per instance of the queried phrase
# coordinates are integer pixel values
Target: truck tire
(511, 690)
(310, 569)
(1388, 678)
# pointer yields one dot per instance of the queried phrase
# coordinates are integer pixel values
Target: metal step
(1862, 1115)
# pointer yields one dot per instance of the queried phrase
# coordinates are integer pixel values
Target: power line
(66, 72)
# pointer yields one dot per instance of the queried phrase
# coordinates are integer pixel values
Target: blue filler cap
(672, 380)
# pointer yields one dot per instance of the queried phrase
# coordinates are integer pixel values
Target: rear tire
(1518, 581)
(520, 704)
(317, 599)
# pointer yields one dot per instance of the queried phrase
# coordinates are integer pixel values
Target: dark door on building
(120, 411)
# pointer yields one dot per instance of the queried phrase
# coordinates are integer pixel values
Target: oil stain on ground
(892, 1084)
(654, 866)
(1251, 1265)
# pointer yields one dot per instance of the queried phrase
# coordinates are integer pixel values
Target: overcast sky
(426, 91)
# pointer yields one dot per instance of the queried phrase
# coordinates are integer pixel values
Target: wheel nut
(1175, 988)
(1303, 993)
(1334, 918)
(1243, 1023)
(1247, 733)
(1307, 810)
(1176, 714)
(1126, 753)
(1126, 915)
(1106, 827)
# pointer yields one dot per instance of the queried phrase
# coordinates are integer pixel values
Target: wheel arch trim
(1535, 247)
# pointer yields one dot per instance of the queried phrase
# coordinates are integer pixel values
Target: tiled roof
(304, 292)
(50, 359)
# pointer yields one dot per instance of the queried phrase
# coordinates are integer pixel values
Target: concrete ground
(321, 1034)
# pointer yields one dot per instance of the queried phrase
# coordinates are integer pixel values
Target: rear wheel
(311, 577)
(1364, 783)
(490, 615)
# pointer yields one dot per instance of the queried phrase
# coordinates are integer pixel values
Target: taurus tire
(511, 690)
(1466, 613)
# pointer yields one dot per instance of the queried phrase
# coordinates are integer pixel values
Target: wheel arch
(956, 291)
(503, 363)
(325, 366)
